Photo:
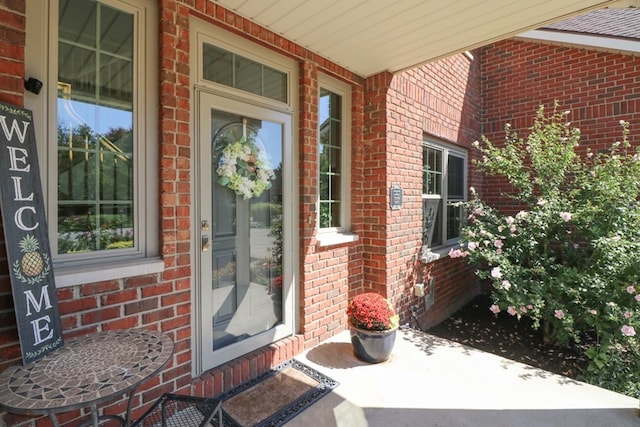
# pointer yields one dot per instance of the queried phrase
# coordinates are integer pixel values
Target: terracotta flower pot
(372, 346)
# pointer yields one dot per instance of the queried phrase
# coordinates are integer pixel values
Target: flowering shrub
(569, 258)
(373, 312)
(243, 168)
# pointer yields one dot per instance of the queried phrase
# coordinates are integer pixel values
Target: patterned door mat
(274, 397)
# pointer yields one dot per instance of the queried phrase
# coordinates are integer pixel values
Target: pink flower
(628, 331)
(495, 309)
(512, 311)
(498, 243)
(472, 246)
(499, 251)
(637, 297)
(627, 314)
(631, 289)
(559, 314)
(478, 211)
(510, 220)
(566, 216)
(594, 312)
(457, 253)
(496, 273)
(506, 284)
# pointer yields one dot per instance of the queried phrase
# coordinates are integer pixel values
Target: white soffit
(371, 36)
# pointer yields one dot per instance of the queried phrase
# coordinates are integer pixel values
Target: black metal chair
(175, 410)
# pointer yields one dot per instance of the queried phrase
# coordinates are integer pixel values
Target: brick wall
(12, 38)
(598, 88)
(441, 100)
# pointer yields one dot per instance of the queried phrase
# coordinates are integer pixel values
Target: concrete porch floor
(429, 381)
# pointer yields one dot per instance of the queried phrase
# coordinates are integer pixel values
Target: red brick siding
(442, 100)
(598, 88)
(12, 39)
(374, 191)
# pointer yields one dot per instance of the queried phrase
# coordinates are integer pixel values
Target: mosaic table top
(84, 372)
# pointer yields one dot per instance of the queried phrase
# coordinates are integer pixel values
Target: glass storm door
(241, 227)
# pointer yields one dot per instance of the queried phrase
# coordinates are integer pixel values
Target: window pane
(336, 163)
(248, 75)
(217, 65)
(455, 178)
(431, 220)
(77, 22)
(229, 69)
(335, 215)
(336, 133)
(336, 107)
(454, 221)
(330, 158)
(275, 84)
(324, 188)
(432, 171)
(116, 79)
(95, 128)
(71, 59)
(76, 176)
(324, 107)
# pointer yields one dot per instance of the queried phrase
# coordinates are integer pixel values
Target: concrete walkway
(429, 381)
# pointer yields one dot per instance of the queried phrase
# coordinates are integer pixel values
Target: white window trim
(41, 63)
(205, 33)
(343, 234)
(433, 253)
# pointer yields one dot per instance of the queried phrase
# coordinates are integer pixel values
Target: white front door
(243, 275)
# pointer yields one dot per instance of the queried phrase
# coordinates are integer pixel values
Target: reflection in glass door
(246, 247)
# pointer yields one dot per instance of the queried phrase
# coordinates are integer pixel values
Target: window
(99, 145)
(233, 70)
(334, 106)
(330, 158)
(444, 184)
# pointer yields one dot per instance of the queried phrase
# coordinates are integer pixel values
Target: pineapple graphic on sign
(32, 263)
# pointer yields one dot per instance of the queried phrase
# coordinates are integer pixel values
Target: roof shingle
(623, 23)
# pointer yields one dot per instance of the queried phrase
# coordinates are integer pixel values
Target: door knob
(205, 243)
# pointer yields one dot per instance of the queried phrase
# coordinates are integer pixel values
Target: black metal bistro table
(84, 373)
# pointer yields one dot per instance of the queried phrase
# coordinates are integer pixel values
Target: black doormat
(274, 397)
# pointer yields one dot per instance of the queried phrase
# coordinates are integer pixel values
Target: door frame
(200, 32)
(202, 211)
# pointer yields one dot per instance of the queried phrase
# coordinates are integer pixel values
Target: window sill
(429, 255)
(329, 239)
(72, 276)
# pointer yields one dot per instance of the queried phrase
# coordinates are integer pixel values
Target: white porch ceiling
(371, 36)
